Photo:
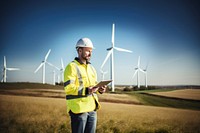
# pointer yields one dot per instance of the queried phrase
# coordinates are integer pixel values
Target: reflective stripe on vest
(80, 79)
(68, 82)
(92, 68)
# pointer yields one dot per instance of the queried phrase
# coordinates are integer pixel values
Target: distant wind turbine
(61, 76)
(102, 74)
(137, 70)
(62, 70)
(43, 65)
(111, 53)
(58, 78)
(145, 72)
(5, 68)
(54, 77)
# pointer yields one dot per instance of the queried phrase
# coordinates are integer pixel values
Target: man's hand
(102, 89)
(92, 89)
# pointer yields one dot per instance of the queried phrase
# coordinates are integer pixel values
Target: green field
(36, 108)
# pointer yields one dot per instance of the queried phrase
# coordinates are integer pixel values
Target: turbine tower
(137, 69)
(54, 77)
(43, 64)
(111, 53)
(5, 68)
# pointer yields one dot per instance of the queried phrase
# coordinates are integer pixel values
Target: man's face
(86, 53)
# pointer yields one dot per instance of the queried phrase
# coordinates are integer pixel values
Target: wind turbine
(111, 53)
(145, 72)
(62, 70)
(102, 74)
(58, 78)
(137, 69)
(43, 64)
(61, 76)
(54, 77)
(5, 68)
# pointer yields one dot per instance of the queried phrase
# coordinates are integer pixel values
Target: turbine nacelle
(108, 49)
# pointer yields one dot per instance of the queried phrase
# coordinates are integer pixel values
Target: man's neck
(81, 61)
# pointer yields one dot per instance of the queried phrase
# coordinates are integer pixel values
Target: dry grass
(134, 118)
(193, 94)
(41, 115)
(35, 92)
(31, 114)
(119, 98)
(116, 98)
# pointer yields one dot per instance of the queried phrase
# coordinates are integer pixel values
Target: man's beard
(87, 58)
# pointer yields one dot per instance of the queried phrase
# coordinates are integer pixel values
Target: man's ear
(79, 50)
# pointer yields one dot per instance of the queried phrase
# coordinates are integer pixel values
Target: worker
(80, 79)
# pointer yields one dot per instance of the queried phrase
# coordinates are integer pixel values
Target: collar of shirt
(77, 59)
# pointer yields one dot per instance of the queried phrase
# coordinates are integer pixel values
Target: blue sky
(164, 33)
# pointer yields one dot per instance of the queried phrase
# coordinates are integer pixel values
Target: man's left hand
(102, 89)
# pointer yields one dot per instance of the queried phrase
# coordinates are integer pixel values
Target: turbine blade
(39, 67)
(47, 54)
(105, 72)
(113, 35)
(12, 69)
(138, 61)
(62, 64)
(109, 53)
(135, 73)
(146, 66)
(142, 70)
(101, 70)
(52, 65)
(123, 50)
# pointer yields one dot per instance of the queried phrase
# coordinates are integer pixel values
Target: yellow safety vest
(77, 77)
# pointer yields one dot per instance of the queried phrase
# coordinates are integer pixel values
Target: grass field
(193, 94)
(36, 114)
(43, 110)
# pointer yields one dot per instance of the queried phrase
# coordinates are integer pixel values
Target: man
(79, 80)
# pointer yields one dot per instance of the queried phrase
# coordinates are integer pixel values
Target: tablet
(102, 83)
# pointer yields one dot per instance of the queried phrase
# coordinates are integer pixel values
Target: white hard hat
(84, 42)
